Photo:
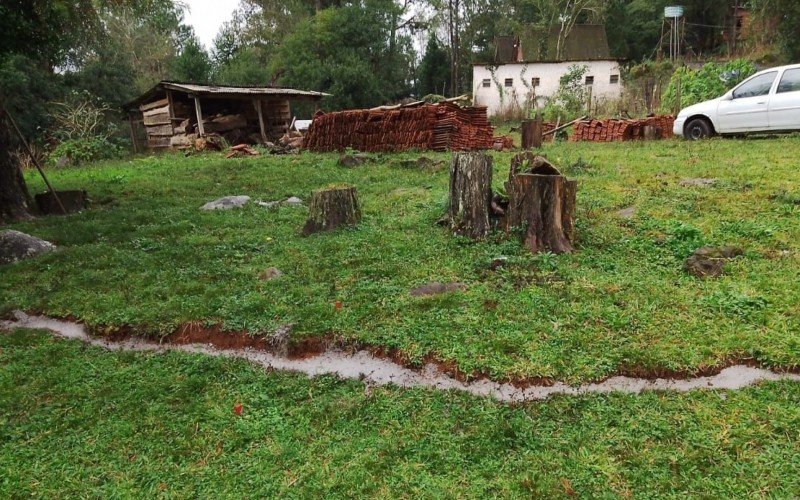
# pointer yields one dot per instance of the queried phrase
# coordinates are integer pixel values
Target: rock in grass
(16, 246)
(436, 288)
(627, 213)
(697, 182)
(270, 274)
(226, 203)
(355, 160)
(294, 200)
(709, 262)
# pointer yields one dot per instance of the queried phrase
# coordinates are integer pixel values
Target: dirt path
(375, 371)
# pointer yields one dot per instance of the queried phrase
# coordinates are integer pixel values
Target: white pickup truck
(768, 101)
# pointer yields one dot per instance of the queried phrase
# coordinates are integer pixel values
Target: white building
(526, 70)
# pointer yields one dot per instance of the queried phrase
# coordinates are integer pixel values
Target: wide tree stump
(470, 195)
(331, 208)
(542, 204)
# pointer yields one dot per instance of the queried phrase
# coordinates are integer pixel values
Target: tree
(787, 14)
(349, 52)
(433, 75)
(50, 42)
(193, 63)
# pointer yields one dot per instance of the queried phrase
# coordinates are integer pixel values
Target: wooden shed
(173, 114)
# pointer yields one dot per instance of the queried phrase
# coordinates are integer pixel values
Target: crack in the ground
(362, 365)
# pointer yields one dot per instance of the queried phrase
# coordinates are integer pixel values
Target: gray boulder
(16, 246)
(226, 203)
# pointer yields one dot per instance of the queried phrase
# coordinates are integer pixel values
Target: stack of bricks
(621, 130)
(437, 127)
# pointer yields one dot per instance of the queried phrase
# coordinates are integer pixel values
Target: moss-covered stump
(331, 208)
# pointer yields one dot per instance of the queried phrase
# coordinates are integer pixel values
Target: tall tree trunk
(14, 197)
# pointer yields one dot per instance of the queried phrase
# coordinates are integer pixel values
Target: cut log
(532, 133)
(542, 204)
(331, 208)
(225, 123)
(470, 194)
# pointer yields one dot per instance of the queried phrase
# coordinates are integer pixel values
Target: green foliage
(192, 64)
(350, 52)
(709, 82)
(630, 301)
(787, 13)
(78, 421)
(433, 74)
(570, 99)
(85, 150)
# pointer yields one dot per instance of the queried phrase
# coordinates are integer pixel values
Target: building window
(487, 83)
(614, 78)
(589, 80)
(535, 81)
(509, 82)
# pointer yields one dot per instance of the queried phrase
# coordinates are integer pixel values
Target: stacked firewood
(623, 130)
(436, 127)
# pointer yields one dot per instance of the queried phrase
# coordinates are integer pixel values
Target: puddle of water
(376, 371)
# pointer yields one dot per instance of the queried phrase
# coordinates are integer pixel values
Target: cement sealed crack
(362, 365)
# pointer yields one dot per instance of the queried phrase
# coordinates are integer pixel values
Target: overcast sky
(207, 16)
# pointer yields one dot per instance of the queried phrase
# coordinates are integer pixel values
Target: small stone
(268, 204)
(709, 262)
(270, 274)
(436, 288)
(294, 200)
(627, 213)
(354, 160)
(16, 246)
(226, 203)
(697, 182)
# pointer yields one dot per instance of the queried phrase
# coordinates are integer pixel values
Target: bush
(570, 100)
(79, 151)
(84, 130)
(709, 82)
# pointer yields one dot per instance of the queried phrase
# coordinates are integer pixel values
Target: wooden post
(133, 133)
(542, 204)
(532, 133)
(171, 108)
(199, 113)
(259, 107)
(470, 194)
(331, 208)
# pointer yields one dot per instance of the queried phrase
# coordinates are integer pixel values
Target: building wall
(548, 73)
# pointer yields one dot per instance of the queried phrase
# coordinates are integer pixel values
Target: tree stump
(532, 133)
(542, 203)
(331, 208)
(470, 195)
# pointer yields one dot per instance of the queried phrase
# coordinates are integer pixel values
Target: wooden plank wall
(278, 116)
(160, 118)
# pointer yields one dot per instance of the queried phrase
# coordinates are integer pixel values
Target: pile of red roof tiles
(621, 130)
(438, 127)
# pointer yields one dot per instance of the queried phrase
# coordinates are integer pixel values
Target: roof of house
(586, 42)
(224, 91)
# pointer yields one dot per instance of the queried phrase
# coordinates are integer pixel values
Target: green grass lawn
(81, 421)
(145, 255)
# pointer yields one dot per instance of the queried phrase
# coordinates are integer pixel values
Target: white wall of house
(515, 82)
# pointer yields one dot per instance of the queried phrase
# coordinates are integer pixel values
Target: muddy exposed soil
(363, 365)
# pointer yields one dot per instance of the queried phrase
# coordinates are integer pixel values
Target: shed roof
(225, 91)
(586, 42)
